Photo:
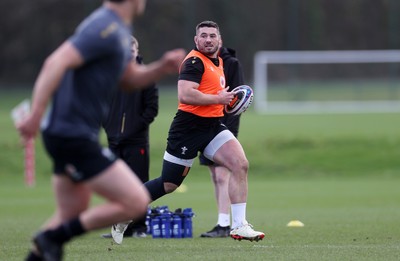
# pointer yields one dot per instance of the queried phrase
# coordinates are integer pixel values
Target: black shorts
(136, 156)
(232, 122)
(78, 158)
(190, 134)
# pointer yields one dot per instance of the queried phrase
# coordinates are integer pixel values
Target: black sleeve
(149, 99)
(233, 73)
(192, 70)
(150, 104)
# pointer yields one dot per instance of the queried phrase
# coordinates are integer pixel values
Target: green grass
(344, 220)
(338, 174)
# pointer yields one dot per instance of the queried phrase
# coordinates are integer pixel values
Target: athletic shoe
(106, 235)
(137, 234)
(246, 232)
(49, 250)
(117, 232)
(217, 231)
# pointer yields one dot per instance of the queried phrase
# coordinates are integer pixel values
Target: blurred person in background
(79, 77)
(127, 129)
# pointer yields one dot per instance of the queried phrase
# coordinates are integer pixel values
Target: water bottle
(166, 225)
(148, 221)
(177, 226)
(187, 223)
(156, 226)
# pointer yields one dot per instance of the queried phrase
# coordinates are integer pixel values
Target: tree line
(30, 30)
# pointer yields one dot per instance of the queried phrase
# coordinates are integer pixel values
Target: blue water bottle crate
(164, 223)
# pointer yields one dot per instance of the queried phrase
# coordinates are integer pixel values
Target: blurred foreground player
(127, 129)
(80, 75)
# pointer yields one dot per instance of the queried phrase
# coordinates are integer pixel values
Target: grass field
(335, 90)
(338, 174)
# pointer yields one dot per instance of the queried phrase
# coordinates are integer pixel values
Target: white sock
(224, 220)
(238, 214)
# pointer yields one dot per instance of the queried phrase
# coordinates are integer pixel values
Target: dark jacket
(131, 113)
(232, 68)
(234, 77)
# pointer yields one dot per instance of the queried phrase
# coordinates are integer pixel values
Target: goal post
(264, 59)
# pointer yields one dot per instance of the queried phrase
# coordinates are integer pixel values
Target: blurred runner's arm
(138, 76)
(54, 68)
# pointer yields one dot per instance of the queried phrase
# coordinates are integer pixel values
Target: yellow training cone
(182, 188)
(295, 223)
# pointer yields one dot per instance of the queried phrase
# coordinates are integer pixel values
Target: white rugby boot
(117, 231)
(246, 232)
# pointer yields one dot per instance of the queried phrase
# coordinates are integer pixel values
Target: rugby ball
(241, 101)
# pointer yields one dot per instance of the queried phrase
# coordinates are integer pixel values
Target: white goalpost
(263, 59)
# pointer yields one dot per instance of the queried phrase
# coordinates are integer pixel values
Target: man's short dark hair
(207, 24)
(117, 1)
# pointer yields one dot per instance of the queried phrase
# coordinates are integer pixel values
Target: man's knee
(243, 164)
(173, 175)
(236, 164)
(171, 178)
(170, 187)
